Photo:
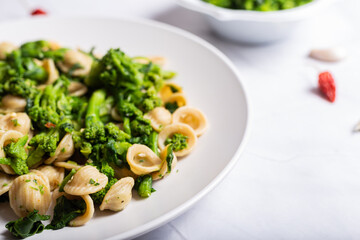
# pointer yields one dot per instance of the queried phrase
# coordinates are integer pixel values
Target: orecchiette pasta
(5, 183)
(142, 160)
(164, 168)
(73, 57)
(54, 174)
(50, 68)
(29, 192)
(177, 98)
(168, 90)
(11, 103)
(5, 138)
(157, 60)
(87, 180)
(192, 117)
(77, 89)
(5, 48)
(68, 165)
(124, 172)
(115, 115)
(183, 129)
(15, 121)
(89, 212)
(63, 151)
(159, 118)
(119, 195)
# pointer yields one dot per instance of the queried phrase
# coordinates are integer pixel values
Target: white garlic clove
(329, 54)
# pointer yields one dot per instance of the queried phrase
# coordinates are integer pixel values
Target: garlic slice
(329, 54)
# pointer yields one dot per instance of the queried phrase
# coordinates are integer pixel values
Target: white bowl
(254, 26)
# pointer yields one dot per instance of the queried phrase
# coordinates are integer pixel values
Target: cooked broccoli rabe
(27, 226)
(143, 186)
(46, 142)
(16, 156)
(98, 197)
(178, 141)
(258, 5)
(66, 210)
(50, 105)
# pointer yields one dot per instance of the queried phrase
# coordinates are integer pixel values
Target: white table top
(299, 176)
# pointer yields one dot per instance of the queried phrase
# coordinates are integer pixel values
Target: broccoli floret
(20, 87)
(98, 197)
(115, 152)
(33, 71)
(143, 185)
(95, 130)
(46, 142)
(50, 105)
(115, 70)
(140, 126)
(179, 141)
(16, 156)
(114, 132)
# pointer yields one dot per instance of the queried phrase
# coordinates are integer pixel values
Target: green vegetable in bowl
(258, 5)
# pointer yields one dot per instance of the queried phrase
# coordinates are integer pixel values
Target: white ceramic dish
(253, 26)
(210, 82)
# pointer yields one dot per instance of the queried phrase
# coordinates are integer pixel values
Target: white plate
(210, 82)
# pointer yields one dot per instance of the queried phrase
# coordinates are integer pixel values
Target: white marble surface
(299, 176)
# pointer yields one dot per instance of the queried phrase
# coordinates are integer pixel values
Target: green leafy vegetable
(66, 210)
(143, 185)
(178, 141)
(27, 226)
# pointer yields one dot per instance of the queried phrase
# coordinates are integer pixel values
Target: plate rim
(182, 208)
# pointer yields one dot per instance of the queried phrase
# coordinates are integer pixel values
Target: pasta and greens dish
(79, 131)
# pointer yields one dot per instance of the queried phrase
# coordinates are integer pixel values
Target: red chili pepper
(50, 125)
(327, 85)
(38, 12)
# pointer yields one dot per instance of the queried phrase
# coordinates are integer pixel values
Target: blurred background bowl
(254, 27)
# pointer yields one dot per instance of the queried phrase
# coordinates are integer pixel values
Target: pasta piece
(183, 129)
(192, 117)
(119, 195)
(29, 192)
(5, 138)
(41, 175)
(63, 151)
(177, 98)
(89, 212)
(124, 172)
(11, 103)
(169, 89)
(159, 118)
(5, 48)
(115, 115)
(142, 160)
(77, 89)
(5, 183)
(87, 180)
(50, 68)
(68, 165)
(15, 121)
(146, 60)
(164, 168)
(54, 174)
(53, 45)
(73, 57)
